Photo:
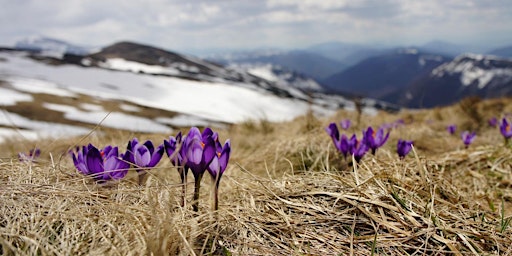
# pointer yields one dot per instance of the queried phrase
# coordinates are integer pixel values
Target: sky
(195, 25)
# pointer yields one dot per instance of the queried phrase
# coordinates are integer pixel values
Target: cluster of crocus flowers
(196, 151)
(352, 146)
(32, 155)
(199, 152)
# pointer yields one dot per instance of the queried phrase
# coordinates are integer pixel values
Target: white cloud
(179, 24)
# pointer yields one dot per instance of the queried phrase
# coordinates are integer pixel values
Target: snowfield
(198, 102)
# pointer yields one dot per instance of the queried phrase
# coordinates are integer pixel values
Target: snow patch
(31, 129)
(109, 119)
(11, 97)
(183, 121)
(27, 84)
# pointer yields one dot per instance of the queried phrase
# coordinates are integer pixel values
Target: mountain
(140, 88)
(381, 75)
(307, 63)
(50, 46)
(280, 75)
(504, 52)
(346, 53)
(445, 48)
(467, 75)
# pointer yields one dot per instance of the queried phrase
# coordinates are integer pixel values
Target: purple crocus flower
(345, 124)
(102, 165)
(344, 145)
(403, 147)
(32, 155)
(340, 143)
(373, 139)
(171, 146)
(357, 148)
(505, 129)
(198, 151)
(333, 131)
(468, 137)
(492, 122)
(451, 129)
(217, 168)
(143, 156)
(177, 157)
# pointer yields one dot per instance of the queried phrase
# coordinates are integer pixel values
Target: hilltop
(286, 192)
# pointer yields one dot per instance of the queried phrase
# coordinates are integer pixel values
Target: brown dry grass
(286, 192)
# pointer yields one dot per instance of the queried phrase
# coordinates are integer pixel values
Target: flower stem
(183, 176)
(216, 197)
(142, 175)
(197, 187)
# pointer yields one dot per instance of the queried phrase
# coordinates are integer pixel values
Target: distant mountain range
(307, 63)
(467, 75)
(384, 74)
(398, 75)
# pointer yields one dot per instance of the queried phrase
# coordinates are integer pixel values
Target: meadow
(286, 191)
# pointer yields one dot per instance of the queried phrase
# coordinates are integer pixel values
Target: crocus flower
(102, 165)
(505, 130)
(451, 128)
(143, 156)
(403, 147)
(218, 166)
(345, 124)
(344, 145)
(373, 139)
(333, 131)
(468, 137)
(492, 122)
(357, 148)
(199, 151)
(177, 158)
(32, 155)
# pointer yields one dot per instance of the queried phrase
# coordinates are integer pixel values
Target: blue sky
(189, 25)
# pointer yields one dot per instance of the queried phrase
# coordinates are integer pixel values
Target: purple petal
(209, 151)
(333, 131)
(149, 146)
(141, 156)
(94, 161)
(224, 156)
(157, 155)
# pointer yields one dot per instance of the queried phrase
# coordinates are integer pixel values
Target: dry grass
(286, 192)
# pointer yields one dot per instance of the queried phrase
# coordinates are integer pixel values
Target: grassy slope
(286, 192)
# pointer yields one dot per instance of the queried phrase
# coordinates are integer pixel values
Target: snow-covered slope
(50, 46)
(477, 70)
(279, 75)
(140, 88)
(196, 102)
(467, 75)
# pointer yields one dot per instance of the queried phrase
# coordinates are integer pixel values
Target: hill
(141, 88)
(286, 192)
